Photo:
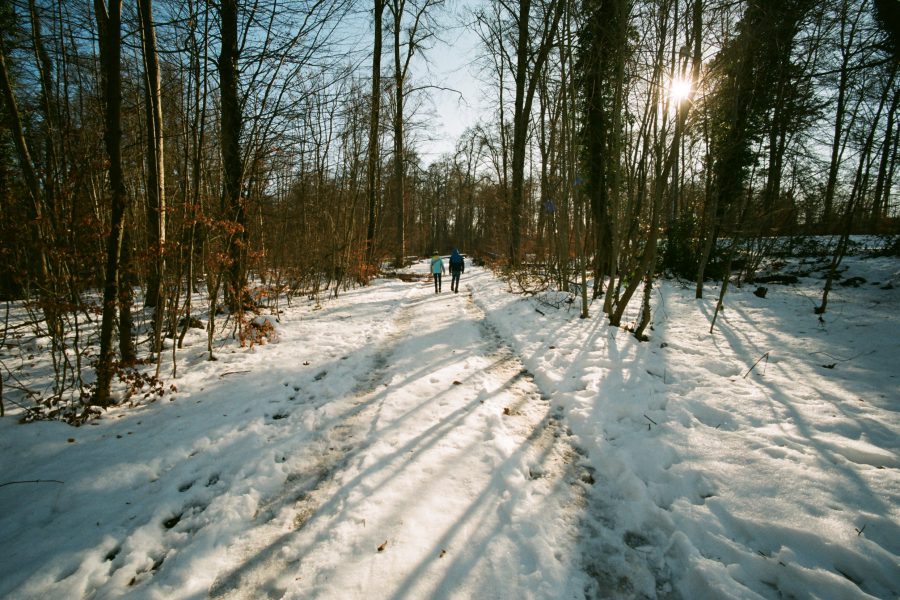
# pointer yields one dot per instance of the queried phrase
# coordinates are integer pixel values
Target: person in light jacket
(437, 269)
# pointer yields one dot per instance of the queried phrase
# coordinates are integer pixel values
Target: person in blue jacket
(457, 267)
(437, 269)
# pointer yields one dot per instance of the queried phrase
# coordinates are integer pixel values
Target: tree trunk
(726, 278)
(32, 184)
(40, 274)
(520, 123)
(232, 176)
(156, 177)
(374, 118)
(51, 125)
(109, 26)
(837, 143)
(881, 195)
(604, 46)
(526, 85)
(156, 195)
(860, 184)
(398, 138)
(126, 300)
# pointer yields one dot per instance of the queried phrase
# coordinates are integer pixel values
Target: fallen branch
(839, 359)
(35, 481)
(232, 373)
(405, 277)
(764, 356)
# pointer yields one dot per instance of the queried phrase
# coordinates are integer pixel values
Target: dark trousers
(454, 280)
(437, 282)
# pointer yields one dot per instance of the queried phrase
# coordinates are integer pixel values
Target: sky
(451, 64)
(449, 96)
(399, 443)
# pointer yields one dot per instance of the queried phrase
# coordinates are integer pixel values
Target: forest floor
(397, 443)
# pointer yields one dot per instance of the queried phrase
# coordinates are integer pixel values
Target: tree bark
(374, 119)
(232, 177)
(604, 46)
(156, 201)
(399, 74)
(156, 177)
(109, 26)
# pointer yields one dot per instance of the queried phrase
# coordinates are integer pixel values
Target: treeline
(244, 150)
(685, 135)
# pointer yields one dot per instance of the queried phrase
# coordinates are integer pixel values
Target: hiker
(437, 269)
(457, 267)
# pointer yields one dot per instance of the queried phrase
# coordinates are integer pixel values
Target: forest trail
(392, 443)
(445, 466)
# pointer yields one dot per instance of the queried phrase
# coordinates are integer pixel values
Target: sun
(679, 90)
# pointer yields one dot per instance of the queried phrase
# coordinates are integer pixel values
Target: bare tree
(532, 49)
(156, 171)
(413, 26)
(374, 120)
(109, 26)
(231, 124)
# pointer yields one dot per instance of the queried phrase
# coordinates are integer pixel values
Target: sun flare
(680, 90)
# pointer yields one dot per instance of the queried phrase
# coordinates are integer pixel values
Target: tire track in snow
(285, 513)
(531, 449)
(615, 568)
(566, 462)
(510, 412)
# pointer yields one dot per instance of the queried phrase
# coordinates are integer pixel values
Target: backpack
(456, 260)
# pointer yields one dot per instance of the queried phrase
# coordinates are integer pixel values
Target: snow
(396, 443)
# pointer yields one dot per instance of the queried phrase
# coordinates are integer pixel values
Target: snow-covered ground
(397, 443)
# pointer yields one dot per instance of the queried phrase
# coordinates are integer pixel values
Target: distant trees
(413, 26)
(701, 127)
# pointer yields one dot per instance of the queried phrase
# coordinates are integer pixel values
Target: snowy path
(390, 445)
(394, 444)
(420, 491)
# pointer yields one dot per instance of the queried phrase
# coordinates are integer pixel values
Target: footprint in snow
(189, 510)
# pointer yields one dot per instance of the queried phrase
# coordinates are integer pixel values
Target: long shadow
(337, 497)
(475, 548)
(744, 340)
(606, 551)
(848, 481)
(149, 481)
(427, 439)
(828, 458)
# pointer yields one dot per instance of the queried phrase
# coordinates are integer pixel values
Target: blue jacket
(437, 264)
(457, 263)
